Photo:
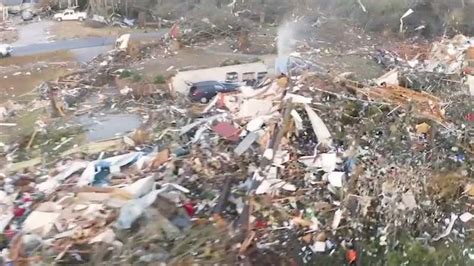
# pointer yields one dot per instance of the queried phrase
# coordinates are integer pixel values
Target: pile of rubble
(299, 171)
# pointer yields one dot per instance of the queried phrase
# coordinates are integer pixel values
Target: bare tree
(262, 13)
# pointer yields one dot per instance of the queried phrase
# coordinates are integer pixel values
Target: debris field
(309, 166)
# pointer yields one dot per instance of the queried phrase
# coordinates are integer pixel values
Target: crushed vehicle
(70, 14)
(206, 90)
(5, 50)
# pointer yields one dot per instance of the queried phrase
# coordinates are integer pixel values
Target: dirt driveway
(33, 33)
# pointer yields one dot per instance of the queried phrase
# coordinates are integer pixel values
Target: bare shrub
(436, 15)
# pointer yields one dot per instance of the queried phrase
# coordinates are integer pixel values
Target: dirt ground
(190, 59)
(8, 36)
(58, 56)
(21, 74)
(75, 29)
(19, 86)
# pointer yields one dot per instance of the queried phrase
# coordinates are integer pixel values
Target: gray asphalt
(74, 44)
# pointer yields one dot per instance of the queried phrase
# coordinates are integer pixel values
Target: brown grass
(8, 36)
(446, 187)
(58, 56)
(74, 29)
(19, 87)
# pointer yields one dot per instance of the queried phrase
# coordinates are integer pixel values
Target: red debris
(175, 31)
(227, 130)
(260, 224)
(468, 70)
(189, 208)
(9, 233)
(351, 256)
(470, 117)
(18, 211)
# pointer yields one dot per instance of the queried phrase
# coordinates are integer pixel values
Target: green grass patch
(159, 79)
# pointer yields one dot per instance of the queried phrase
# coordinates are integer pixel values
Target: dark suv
(206, 90)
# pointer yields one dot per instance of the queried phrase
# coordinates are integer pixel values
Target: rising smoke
(289, 34)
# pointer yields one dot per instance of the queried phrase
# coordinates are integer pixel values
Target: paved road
(62, 45)
(90, 42)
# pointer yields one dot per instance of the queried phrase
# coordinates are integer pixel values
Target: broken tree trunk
(57, 107)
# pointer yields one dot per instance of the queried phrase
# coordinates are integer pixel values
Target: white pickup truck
(70, 14)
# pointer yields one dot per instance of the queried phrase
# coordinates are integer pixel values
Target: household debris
(294, 171)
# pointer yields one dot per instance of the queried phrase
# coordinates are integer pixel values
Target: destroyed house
(15, 6)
